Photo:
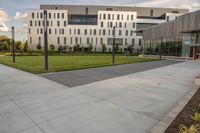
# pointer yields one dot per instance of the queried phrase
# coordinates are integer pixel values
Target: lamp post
(45, 40)
(113, 47)
(13, 43)
(160, 50)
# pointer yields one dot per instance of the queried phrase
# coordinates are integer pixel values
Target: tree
(5, 42)
(90, 47)
(5, 46)
(18, 45)
(21, 48)
(130, 49)
(26, 47)
(52, 48)
(39, 47)
(60, 49)
(76, 47)
(116, 48)
(103, 48)
(65, 47)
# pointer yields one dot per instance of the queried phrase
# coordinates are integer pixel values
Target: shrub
(196, 117)
(191, 129)
(103, 48)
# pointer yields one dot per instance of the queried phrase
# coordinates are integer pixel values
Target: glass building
(180, 37)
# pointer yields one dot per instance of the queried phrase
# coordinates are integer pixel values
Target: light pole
(113, 47)
(13, 43)
(45, 40)
(161, 41)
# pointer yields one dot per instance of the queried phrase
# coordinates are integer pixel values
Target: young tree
(39, 47)
(90, 47)
(21, 48)
(26, 47)
(60, 49)
(130, 49)
(52, 48)
(5, 46)
(65, 48)
(103, 48)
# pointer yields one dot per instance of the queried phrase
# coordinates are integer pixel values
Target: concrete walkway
(128, 104)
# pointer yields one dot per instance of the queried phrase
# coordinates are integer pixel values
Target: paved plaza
(127, 103)
(81, 77)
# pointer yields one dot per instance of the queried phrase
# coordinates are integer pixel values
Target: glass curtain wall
(169, 47)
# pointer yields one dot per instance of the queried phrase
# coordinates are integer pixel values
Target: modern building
(179, 37)
(83, 25)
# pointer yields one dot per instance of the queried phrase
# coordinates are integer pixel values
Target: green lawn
(35, 64)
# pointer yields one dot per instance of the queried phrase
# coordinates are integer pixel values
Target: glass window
(122, 17)
(113, 17)
(118, 16)
(49, 15)
(126, 32)
(79, 31)
(101, 24)
(88, 40)
(104, 32)
(108, 16)
(41, 31)
(151, 12)
(125, 25)
(58, 15)
(76, 40)
(95, 31)
(140, 42)
(65, 23)
(85, 31)
(104, 16)
(99, 32)
(41, 15)
(63, 15)
(58, 23)
(120, 24)
(127, 17)
(120, 32)
(131, 17)
(32, 15)
(65, 40)
(111, 24)
(133, 25)
(31, 23)
(49, 31)
(63, 31)
(39, 23)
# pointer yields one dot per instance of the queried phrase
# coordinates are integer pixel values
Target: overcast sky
(13, 12)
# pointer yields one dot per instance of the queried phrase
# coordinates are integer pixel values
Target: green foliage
(52, 47)
(103, 48)
(5, 46)
(116, 48)
(77, 48)
(191, 129)
(39, 47)
(26, 47)
(60, 49)
(196, 117)
(130, 49)
(90, 47)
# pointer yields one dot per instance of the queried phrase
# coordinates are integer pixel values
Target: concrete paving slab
(102, 117)
(12, 119)
(41, 114)
(127, 103)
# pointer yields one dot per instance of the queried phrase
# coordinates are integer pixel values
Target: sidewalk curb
(169, 118)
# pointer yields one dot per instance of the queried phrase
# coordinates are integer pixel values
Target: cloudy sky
(13, 12)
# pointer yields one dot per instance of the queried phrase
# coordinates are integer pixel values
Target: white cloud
(20, 16)
(3, 18)
(192, 5)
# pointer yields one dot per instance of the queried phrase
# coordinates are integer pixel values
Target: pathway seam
(23, 112)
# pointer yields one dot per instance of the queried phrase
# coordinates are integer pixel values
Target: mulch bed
(184, 117)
